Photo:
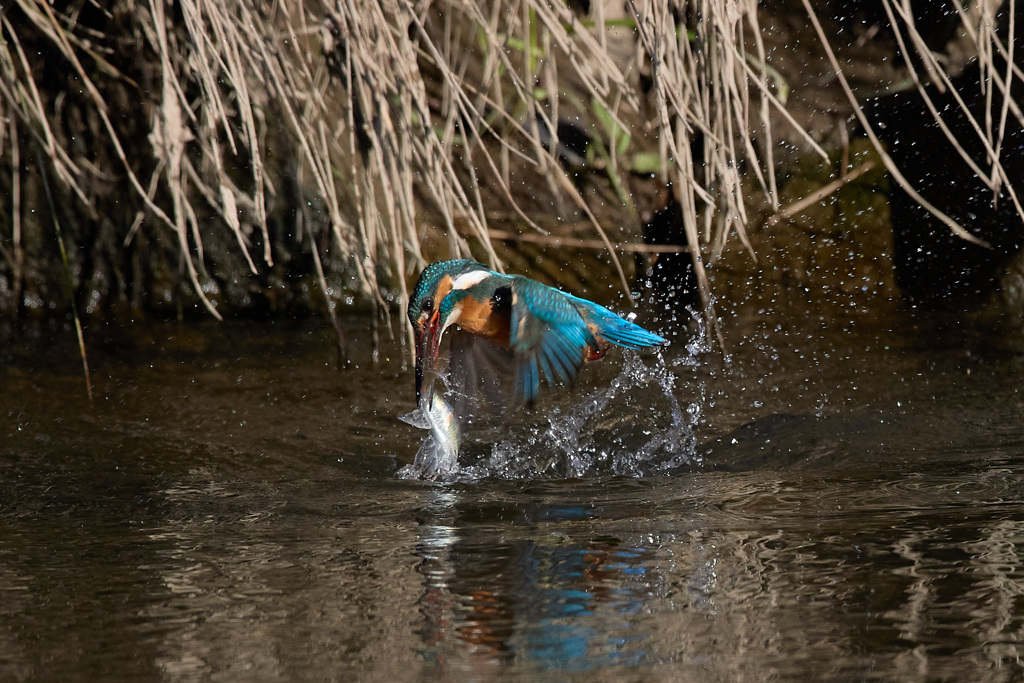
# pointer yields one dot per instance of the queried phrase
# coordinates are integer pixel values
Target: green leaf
(624, 22)
(623, 143)
(602, 115)
(648, 162)
(617, 137)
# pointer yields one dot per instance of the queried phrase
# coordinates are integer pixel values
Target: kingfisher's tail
(615, 329)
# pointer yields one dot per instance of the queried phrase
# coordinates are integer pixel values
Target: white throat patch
(453, 317)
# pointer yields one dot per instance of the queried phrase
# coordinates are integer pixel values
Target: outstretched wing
(478, 366)
(547, 335)
(607, 325)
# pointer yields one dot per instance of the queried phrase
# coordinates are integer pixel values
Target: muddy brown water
(228, 510)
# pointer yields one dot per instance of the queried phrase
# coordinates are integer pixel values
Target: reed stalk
(387, 111)
(69, 283)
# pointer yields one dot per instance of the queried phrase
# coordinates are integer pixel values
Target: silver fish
(438, 457)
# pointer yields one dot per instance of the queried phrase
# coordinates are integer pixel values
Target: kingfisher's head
(436, 281)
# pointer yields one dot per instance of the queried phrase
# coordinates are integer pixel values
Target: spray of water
(635, 427)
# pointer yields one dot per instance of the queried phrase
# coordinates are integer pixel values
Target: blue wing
(477, 366)
(548, 336)
(613, 328)
(551, 333)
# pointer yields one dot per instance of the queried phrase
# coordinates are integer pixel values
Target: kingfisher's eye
(428, 305)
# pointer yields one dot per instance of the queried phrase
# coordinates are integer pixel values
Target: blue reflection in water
(556, 645)
(551, 606)
(562, 513)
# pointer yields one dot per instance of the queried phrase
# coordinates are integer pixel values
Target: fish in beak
(438, 457)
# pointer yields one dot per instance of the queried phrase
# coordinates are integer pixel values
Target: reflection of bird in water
(548, 332)
(488, 601)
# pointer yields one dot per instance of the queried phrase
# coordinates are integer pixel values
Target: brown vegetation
(250, 155)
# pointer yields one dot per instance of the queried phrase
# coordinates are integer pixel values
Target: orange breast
(477, 317)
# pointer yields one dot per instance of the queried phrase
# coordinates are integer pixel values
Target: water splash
(636, 427)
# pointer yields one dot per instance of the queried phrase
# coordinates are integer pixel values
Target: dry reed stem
(330, 302)
(819, 194)
(600, 245)
(501, 69)
(469, 113)
(23, 97)
(997, 174)
(68, 285)
(890, 165)
(172, 136)
(232, 53)
(689, 95)
(18, 266)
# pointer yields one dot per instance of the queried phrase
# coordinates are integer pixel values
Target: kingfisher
(548, 332)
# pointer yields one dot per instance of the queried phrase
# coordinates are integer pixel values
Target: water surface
(842, 501)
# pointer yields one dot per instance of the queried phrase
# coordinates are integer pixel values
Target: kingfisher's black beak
(420, 353)
(434, 343)
(419, 378)
(426, 341)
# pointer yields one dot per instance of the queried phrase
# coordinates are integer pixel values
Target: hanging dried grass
(990, 139)
(389, 106)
